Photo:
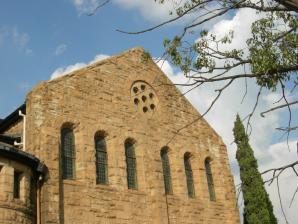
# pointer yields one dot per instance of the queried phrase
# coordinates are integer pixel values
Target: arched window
(166, 171)
(17, 184)
(209, 180)
(189, 176)
(68, 153)
(130, 164)
(101, 160)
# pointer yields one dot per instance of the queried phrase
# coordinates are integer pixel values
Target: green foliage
(180, 59)
(271, 54)
(146, 56)
(257, 205)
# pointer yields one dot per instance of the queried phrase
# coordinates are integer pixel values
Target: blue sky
(31, 31)
(38, 37)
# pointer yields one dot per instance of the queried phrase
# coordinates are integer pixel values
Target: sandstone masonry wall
(16, 128)
(99, 97)
(13, 210)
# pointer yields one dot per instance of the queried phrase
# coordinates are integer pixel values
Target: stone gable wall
(14, 129)
(99, 97)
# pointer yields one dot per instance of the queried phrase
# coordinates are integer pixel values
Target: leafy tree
(257, 205)
(270, 56)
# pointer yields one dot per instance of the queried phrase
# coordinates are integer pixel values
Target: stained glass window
(210, 180)
(189, 176)
(68, 153)
(166, 171)
(130, 165)
(101, 160)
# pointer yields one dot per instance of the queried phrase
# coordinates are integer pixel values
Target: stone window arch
(68, 154)
(101, 158)
(189, 175)
(166, 170)
(209, 179)
(131, 168)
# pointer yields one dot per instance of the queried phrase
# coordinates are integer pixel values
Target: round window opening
(144, 97)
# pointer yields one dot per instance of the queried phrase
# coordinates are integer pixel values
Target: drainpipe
(38, 201)
(168, 213)
(24, 132)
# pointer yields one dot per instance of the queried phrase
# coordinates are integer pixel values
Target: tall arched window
(130, 164)
(166, 171)
(68, 153)
(189, 176)
(209, 180)
(101, 160)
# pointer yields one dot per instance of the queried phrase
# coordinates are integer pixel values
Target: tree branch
(97, 7)
(278, 107)
(168, 21)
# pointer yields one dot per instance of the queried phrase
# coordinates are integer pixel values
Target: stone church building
(100, 145)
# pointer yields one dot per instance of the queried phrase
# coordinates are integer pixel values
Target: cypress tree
(257, 205)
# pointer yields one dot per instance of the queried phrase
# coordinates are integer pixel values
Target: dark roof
(12, 118)
(10, 139)
(10, 152)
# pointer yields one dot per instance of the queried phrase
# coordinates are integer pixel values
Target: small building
(114, 142)
(21, 175)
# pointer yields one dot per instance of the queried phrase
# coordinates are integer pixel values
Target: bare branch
(287, 129)
(222, 12)
(265, 9)
(168, 21)
(280, 202)
(290, 4)
(293, 197)
(97, 7)
(278, 107)
(283, 34)
(253, 111)
(282, 168)
(208, 109)
(289, 110)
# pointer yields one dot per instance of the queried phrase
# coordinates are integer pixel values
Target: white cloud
(279, 156)
(66, 70)
(20, 39)
(70, 68)
(240, 24)
(222, 116)
(85, 6)
(99, 57)
(150, 10)
(60, 49)
(3, 34)
(164, 66)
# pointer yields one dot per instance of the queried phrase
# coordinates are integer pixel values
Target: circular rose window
(144, 97)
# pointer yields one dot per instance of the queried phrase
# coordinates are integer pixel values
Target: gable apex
(137, 52)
